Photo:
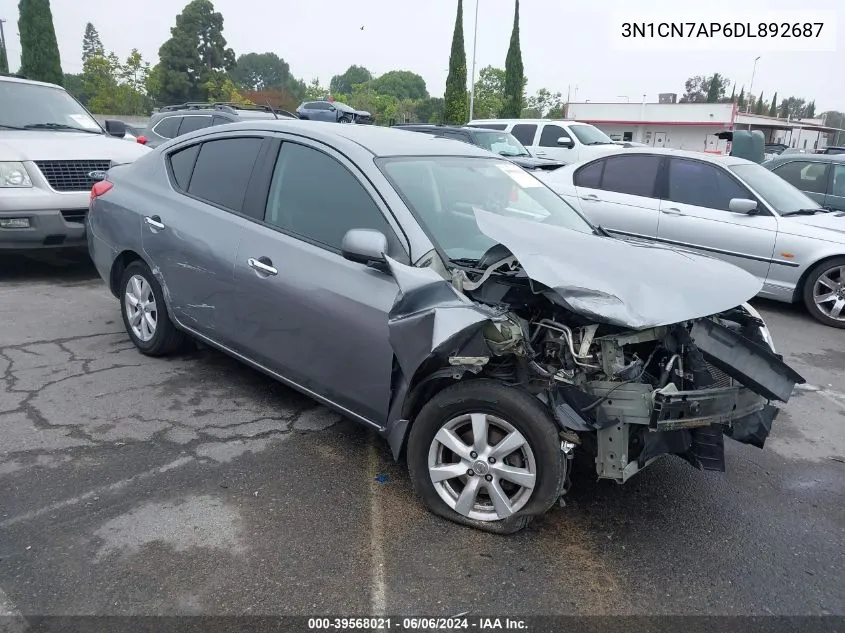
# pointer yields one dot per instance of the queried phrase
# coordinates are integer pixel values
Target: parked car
(561, 140)
(134, 132)
(50, 146)
(833, 150)
(630, 144)
(332, 111)
(775, 148)
(500, 143)
(726, 206)
(820, 176)
(442, 296)
(175, 120)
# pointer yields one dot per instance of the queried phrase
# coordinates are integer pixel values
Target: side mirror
(364, 246)
(565, 141)
(743, 205)
(115, 128)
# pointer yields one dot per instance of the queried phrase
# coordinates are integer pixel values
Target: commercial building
(695, 126)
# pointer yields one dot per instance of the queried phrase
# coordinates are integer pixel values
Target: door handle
(258, 265)
(591, 197)
(154, 222)
(672, 211)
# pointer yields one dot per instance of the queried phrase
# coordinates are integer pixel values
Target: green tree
(733, 94)
(354, 75)
(773, 108)
(262, 72)
(314, 91)
(40, 58)
(489, 93)
(195, 55)
(4, 62)
(740, 102)
(758, 109)
(457, 99)
(514, 73)
(431, 110)
(704, 89)
(793, 108)
(383, 108)
(716, 88)
(402, 84)
(810, 111)
(542, 103)
(75, 85)
(91, 43)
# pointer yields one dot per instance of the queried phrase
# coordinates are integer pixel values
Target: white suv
(561, 140)
(52, 151)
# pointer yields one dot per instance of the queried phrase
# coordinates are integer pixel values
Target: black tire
(344, 119)
(521, 410)
(166, 338)
(807, 292)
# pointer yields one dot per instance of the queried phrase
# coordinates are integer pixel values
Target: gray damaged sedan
(444, 297)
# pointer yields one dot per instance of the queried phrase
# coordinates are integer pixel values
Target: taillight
(142, 140)
(99, 189)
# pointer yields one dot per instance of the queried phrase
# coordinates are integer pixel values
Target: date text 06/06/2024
(459, 623)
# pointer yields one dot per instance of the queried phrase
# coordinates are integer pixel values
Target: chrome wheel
(829, 293)
(482, 467)
(140, 305)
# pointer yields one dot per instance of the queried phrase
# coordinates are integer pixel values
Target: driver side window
(551, 134)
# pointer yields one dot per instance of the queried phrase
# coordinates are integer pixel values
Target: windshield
(444, 191)
(781, 196)
(590, 135)
(500, 143)
(30, 106)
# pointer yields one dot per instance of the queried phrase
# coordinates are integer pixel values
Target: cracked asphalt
(194, 485)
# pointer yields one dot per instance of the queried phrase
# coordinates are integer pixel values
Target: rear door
(695, 213)
(554, 143)
(620, 193)
(192, 238)
(835, 199)
(526, 133)
(811, 177)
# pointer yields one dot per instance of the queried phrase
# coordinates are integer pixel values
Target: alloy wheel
(829, 293)
(140, 305)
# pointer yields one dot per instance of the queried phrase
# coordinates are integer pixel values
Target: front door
(304, 311)
(835, 199)
(191, 236)
(549, 145)
(694, 213)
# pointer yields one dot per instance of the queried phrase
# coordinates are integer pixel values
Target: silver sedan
(727, 207)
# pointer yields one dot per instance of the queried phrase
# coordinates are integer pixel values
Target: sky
(567, 45)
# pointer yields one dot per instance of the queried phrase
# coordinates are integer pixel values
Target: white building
(695, 126)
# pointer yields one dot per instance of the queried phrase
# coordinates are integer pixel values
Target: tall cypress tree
(741, 99)
(456, 108)
(4, 63)
(760, 105)
(91, 44)
(40, 58)
(514, 73)
(773, 109)
(733, 94)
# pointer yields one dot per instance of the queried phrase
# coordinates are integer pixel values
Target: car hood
(531, 162)
(824, 226)
(629, 284)
(47, 145)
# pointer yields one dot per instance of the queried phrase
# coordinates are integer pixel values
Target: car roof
(20, 80)
(530, 121)
(817, 158)
(719, 159)
(379, 141)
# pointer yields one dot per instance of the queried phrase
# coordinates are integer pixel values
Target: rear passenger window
(220, 120)
(194, 123)
(182, 164)
(223, 170)
(634, 175)
(589, 176)
(168, 127)
(524, 132)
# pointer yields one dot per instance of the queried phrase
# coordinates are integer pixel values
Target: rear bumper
(55, 220)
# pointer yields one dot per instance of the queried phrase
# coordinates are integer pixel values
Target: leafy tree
(758, 109)
(733, 94)
(716, 86)
(792, 108)
(75, 85)
(314, 91)
(514, 73)
(278, 99)
(741, 99)
(431, 110)
(91, 43)
(220, 87)
(383, 108)
(810, 111)
(402, 84)
(40, 58)
(542, 103)
(195, 55)
(456, 97)
(354, 75)
(703, 89)
(4, 61)
(489, 96)
(266, 72)
(773, 108)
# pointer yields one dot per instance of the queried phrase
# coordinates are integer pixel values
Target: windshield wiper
(600, 230)
(57, 126)
(807, 211)
(10, 127)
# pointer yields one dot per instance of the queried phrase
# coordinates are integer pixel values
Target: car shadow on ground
(65, 266)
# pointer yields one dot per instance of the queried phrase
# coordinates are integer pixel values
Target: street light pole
(3, 41)
(751, 87)
(472, 81)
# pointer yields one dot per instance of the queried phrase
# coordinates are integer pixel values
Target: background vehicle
(134, 132)
(775, 148)
(325, 254)
(333, 112)
(630, 144)
(175, 120)
(50, 146)
(820, 176)
(725, 206)
(501, 143)
(561, 140)
(833, 150)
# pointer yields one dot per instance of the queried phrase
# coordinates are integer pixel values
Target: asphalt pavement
(195, 485)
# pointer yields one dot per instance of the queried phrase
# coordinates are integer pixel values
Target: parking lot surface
(195, 485)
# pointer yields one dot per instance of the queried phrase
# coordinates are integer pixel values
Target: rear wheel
(486, 455)
(824, 292)
(145, 313)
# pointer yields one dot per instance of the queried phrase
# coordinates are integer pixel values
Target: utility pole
(751, 87)
(3, 41)
(472, 81)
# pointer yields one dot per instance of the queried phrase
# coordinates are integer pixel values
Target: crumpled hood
(47, 145)
(824, 226)
(615, 281)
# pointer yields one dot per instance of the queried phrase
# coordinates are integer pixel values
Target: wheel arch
(798, 293)
(121, 263)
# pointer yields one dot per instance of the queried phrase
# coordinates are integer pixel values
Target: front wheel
(486, 455)
(824, 292)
